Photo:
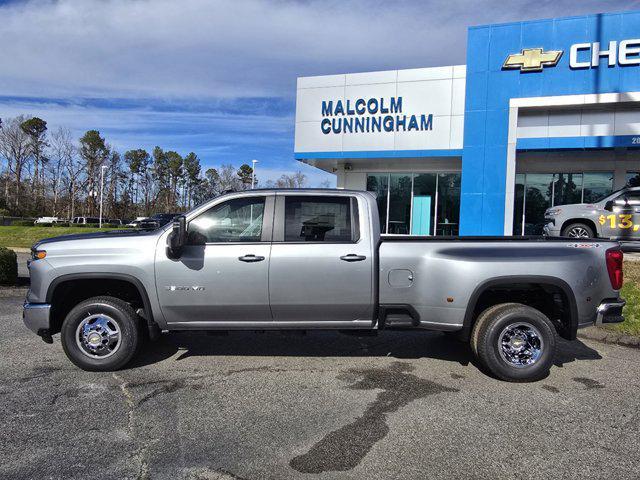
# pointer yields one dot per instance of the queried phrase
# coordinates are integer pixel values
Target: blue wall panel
(489, 89)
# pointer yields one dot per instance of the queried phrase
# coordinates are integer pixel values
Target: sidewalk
(634, 257)
(604, 335)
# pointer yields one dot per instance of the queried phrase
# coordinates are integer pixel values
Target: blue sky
(218, 78)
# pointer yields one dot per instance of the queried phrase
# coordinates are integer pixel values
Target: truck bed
(439, 277)
(489, 239)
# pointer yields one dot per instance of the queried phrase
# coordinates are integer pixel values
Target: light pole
(102, 169)
(253, 173)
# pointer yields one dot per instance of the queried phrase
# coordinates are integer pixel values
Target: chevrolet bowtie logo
(532, 59)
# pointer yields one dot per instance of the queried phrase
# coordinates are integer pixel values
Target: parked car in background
(135, 223)
(163, 218)
(113, 221)
(85, 220)
(156, 221)
(616, 216)
(45, 220)
(147, 224)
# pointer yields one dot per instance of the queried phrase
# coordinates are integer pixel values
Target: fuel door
(400, 278)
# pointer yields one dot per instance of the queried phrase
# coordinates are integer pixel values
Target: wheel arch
(569, 324)
(133, 282)
(586, 221)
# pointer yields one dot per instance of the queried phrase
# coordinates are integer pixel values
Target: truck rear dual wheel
(101, 334)
(514, 342)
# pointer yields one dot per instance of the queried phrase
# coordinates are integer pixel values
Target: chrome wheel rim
(578, 232)
(520, 344)
(98, 336)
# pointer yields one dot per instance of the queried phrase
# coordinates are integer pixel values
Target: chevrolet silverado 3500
(315, 259)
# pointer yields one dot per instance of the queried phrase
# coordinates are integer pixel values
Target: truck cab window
(237, 220)
(317, 219)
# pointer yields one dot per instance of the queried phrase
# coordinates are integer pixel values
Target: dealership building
(544, 113)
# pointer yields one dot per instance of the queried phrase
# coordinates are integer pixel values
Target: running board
(398, 316)
(271, 325)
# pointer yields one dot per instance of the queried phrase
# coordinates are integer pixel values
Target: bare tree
(62, 153)
(296, 180)
(15, 148)
(74, 171)
(228, 179)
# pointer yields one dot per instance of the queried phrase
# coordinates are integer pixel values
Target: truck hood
(98, 235)
(578, 206)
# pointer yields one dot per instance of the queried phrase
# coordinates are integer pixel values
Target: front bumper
(550, 229)
(36, 317)
(610, 311)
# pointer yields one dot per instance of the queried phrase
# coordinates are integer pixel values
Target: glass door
(448, 204)
(538, 195)
(379, 185)
(400, 188)
(424, 203)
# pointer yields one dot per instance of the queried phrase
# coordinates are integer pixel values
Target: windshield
(609, 196)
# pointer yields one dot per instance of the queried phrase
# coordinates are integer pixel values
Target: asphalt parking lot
(322, 405)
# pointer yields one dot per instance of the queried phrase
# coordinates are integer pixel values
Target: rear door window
(319, 219)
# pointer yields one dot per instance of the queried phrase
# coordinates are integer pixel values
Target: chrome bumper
(610, 311)
(36, 317)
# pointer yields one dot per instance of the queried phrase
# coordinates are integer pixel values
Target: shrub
(8, 266)
(63, 224)
(22, 223)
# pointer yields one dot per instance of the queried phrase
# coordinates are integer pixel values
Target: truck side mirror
(177, 238)
(609, 205)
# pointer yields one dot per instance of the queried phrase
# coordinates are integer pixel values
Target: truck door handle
(251, 258)
(352, 257)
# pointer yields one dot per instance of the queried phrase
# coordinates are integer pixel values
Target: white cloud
(210, 49)
(197, 52)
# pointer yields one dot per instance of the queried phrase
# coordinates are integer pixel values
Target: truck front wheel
(515, 342)
(101, 334)
(578, 230)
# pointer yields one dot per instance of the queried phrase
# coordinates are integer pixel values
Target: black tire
(578, 230)
(119, 313)
(493, 323)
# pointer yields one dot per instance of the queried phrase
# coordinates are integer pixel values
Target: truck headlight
(38, 254)
(551, 212)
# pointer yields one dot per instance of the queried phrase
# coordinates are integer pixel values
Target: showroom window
(417, 203)
(535, 192)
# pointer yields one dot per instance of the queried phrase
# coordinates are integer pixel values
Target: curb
(11, 291)
(610, 337)
(20, 249)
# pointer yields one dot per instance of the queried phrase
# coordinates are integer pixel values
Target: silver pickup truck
(616, 216)
(315, 259)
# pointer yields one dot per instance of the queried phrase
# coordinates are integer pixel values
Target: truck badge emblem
(184, 288)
